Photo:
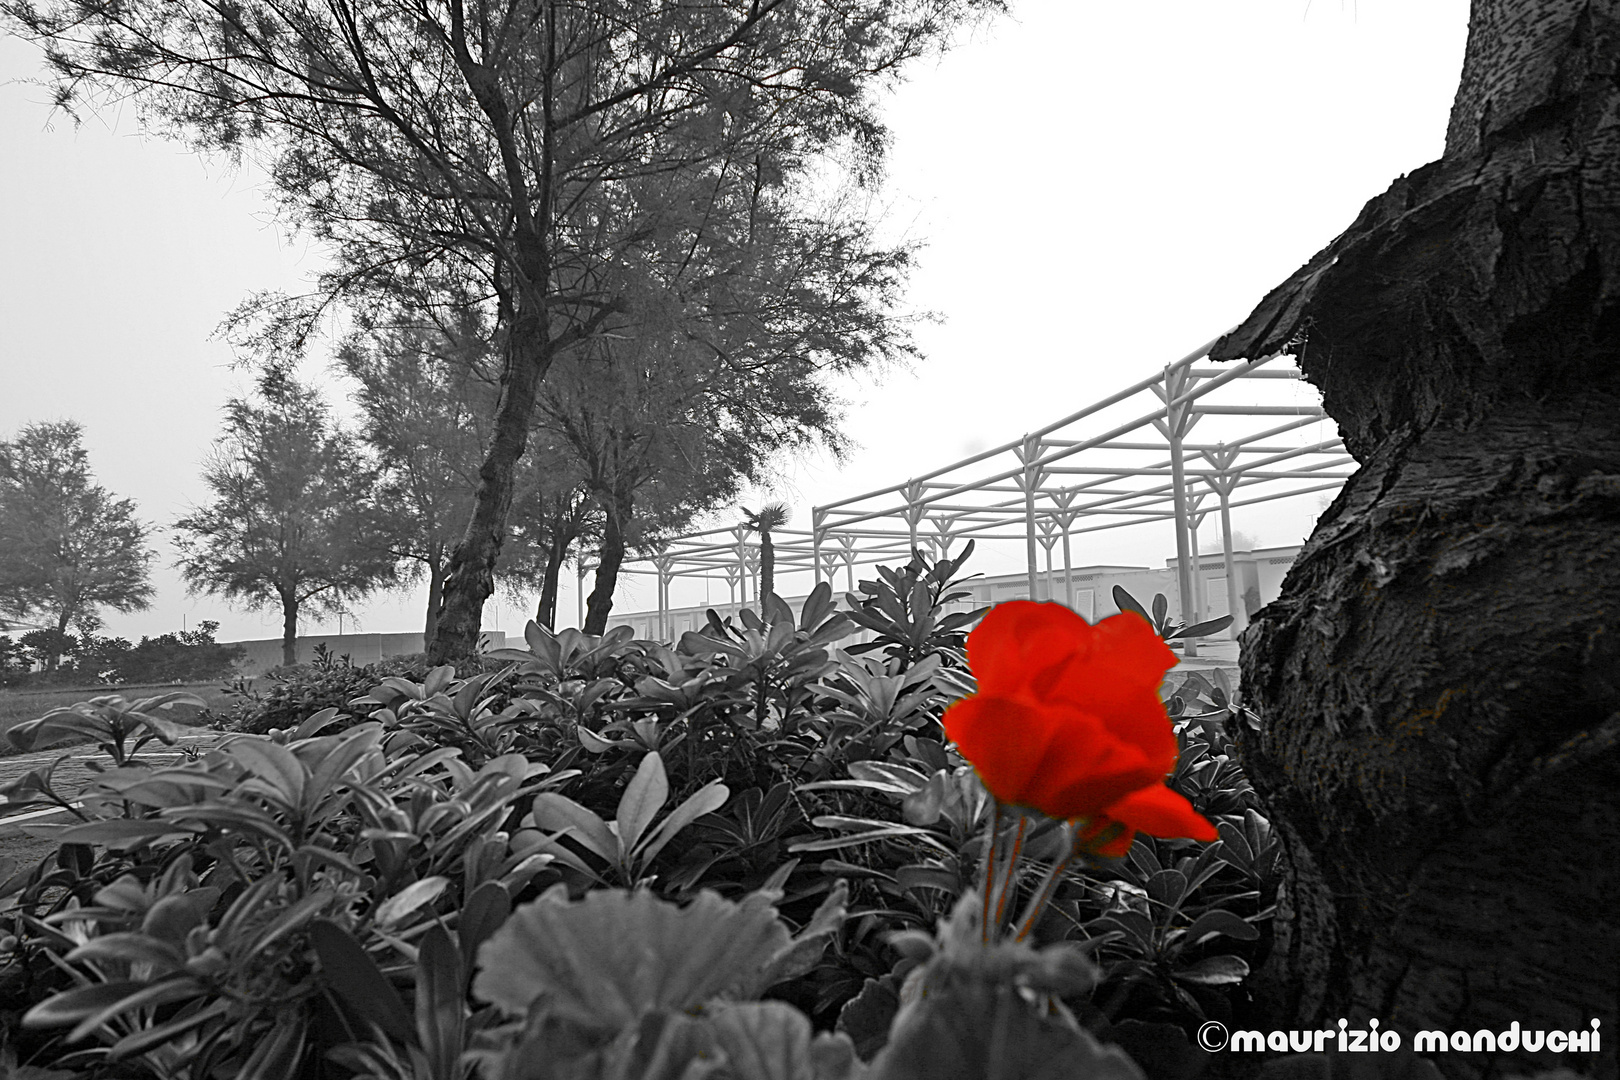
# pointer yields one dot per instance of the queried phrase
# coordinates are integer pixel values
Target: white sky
(1102, 186)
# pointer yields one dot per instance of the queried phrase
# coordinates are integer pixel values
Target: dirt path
(70, 776)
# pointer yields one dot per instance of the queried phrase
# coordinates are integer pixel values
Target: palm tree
(772, 515)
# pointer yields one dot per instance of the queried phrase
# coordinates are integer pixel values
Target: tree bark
(470, 576)
(289, 629)
(1439, 681)
(53, 660)
(767, 570)
(435, 597)
(547, 614)
(600, 601)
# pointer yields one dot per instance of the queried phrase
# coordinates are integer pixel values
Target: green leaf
(316, 723)
(130, 948)
(705, 800)
(1203, 629)
(1220, 921)
(358, 982)
(409, 899)
(274, 764)
(593, 742)
(643, 797)
(441, 1001)
(764, 1040)
(866, 1018)
(1214, 971)
(120, 832)
(697, 644)
(143, 1038)
(611, 958)
(485, 910)
(1126, 602)
(555, 813)
(176, 915)
(71, 1006)
(967, 1027)
(817, 606)
(165, 991)
(169, 701)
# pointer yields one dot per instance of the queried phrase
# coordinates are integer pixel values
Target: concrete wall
(1260, 574)
(362, 649)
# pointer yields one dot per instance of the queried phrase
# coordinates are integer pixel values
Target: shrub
(299, 692)
(410, 876)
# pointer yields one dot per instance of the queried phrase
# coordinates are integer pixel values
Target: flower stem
(1048, 886)
(990, 868)
(1010, 874)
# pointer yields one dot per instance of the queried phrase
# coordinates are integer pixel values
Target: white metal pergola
(1124, 460)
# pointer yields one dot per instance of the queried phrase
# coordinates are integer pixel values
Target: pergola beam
(1042, 498)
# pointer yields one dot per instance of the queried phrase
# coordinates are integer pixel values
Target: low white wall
(362, 649)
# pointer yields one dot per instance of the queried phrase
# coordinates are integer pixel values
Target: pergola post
(1195, 521)
(1049, 540)
(1223, 482)
(914, 509)
(579, 594)
(741, 533)
(1176, 380)
(662, 564)
(1030, 451)
(817, 514)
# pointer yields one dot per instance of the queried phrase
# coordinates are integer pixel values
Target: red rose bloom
(1068, 721)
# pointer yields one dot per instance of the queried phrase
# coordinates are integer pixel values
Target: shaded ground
(20, 706)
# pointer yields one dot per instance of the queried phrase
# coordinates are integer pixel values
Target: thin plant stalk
(990, 867)
(1043, 894)
(1008, 878)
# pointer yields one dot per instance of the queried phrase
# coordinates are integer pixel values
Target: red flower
(1068, 721)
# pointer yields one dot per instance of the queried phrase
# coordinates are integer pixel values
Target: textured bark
(435, 597)
(600, 602)
(1440, 678)
(767, 568)
(289, 629)
(470, 576)
(546, 614)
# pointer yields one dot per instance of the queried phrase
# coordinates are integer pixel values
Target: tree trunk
(607, 574)
(289, 629)
(470, 577)
(53, 659)
(1439, 682)
(436, 568)
(547, 614)
(767, 570)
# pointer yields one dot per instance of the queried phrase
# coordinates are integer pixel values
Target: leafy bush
(298, 692)
(1167, 628)
(413, 873)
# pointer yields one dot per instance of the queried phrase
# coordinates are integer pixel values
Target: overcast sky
(1101, 186)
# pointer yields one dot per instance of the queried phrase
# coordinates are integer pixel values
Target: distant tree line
(618, 242)
(186, 656)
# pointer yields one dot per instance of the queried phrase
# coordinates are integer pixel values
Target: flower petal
(1158, 811)
(1019, 640)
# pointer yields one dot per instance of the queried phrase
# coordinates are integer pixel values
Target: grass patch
(21, 706)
